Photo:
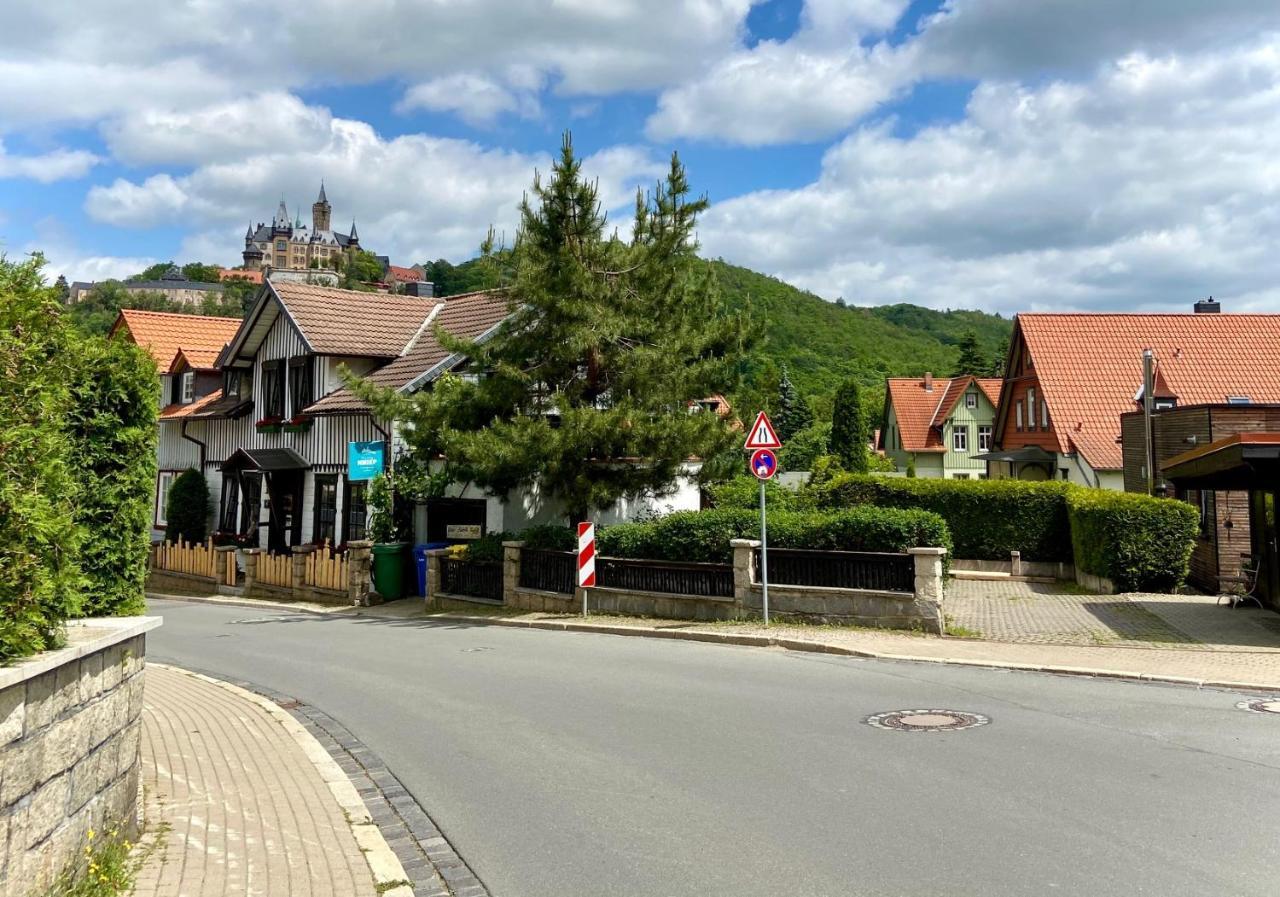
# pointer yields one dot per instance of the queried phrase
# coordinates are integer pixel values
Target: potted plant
(269, 425)
(299, 423)
(389, 544)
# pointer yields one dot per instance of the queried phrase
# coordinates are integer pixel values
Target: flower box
(298, 425)
(269, 425)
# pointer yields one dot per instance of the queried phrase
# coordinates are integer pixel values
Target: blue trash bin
(420, 560)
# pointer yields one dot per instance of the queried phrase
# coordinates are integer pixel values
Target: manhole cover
(1263, 705)
(927, 720)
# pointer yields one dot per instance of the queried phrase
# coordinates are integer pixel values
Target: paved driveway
(1063, 614)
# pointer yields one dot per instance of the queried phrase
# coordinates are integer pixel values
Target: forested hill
(821, 342)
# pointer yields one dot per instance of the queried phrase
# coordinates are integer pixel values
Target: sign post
(586, 560)
(761, 442)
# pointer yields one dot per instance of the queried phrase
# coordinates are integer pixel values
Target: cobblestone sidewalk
(237, 804)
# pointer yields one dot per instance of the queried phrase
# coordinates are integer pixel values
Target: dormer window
(231, 383)
(971, 400)
(188, 387)
(1238, 400)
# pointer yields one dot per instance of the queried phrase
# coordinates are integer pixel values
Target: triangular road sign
(762, 435)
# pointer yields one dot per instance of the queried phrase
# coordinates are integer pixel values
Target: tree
(155, 272)
(794, 413)
(805, 447)
(361, 267)
(187, 513)
(971, 361)
(849, 428)
(64, 291)
(587, 384)
(201, 273)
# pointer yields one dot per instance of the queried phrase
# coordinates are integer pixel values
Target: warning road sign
(762, 435)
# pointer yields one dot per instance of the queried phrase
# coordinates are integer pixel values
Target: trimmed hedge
(744, 493)
(987, 518)
(187, 513)
(704, 535)
(1140, 543)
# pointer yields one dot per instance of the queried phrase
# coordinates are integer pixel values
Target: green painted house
(939, 425)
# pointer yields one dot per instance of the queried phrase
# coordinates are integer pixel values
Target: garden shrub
(112, 426)
(187, 513)
(987, 518)
(705, 535)
(744, 492)
(1140, 543)
(40, 579)
(549, 537)
(487, 549)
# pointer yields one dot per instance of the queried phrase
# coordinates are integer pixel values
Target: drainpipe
(1148, 407)
(203, 448)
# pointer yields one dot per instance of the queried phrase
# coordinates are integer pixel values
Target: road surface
(603, 766)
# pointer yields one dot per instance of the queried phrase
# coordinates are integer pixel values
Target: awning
(1240, 462)
(1031, 453)
(265, 460)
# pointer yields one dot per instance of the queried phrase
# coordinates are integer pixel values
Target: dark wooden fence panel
(882, 572)
(467, 578)
(550, 571)
(698, 580)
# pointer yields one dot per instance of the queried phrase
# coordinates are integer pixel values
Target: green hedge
(705, 535)
(744, 492)
(987, 518)
(1140, 543)
(187, 513)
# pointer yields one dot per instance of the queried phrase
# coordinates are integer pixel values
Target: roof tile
(164, 333)
(348, 322)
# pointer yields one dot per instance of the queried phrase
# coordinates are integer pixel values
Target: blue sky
(994, 154)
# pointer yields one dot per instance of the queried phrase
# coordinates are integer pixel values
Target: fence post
(744, 572)
(250, 569)
(928, 586)
(510, 571)
(433, 575)
(359, 585)
(298, 577)
(226, 555)
(1015, 563)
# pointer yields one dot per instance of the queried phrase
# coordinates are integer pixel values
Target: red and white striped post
(586, 560)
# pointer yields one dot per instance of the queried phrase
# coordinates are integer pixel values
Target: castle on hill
(291, 244)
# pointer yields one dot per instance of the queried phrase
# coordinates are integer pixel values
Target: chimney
(1208, 306)
(928, 381)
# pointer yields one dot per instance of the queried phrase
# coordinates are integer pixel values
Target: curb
(789, 644)
(261, 604)
(383, 863)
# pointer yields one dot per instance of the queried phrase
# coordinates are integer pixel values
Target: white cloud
(476, 99)
(1147, 186)
(47, 167)
(415, 197)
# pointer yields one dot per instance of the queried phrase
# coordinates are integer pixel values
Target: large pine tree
(585, 390)
(971, 360)
(849, 428)
(794, 413)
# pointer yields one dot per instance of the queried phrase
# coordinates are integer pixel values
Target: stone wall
(920, 610)
(69, 734)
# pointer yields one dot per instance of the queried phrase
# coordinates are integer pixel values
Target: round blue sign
(764, 464)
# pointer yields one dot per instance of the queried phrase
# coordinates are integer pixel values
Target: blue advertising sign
(365, 460)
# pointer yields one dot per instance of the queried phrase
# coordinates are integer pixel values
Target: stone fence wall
(918, 610)
(358, 589)
(70, 730)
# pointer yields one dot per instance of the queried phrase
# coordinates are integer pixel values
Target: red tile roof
(466, 316)
(179, 410)
(199, 359)
(403, 275)
(1090, 367)
(920, 412)
(164, 333)
(349, 322)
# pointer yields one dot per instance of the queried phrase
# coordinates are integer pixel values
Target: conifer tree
(794, 413)
(586, 388)
(849, 428)
(971, 361)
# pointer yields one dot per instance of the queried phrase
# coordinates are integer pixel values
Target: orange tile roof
(199, 359)
(1090, 366)
(466, 316)
(164, 333)
(347, 322)
(233, 273)
(920, 413)
(403, 275)
(179, 410)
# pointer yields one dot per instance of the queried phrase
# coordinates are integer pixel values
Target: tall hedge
(112, 428)
(1140, 543)
(187, 513)
(40, 580)
(987, 518)
(705, 535)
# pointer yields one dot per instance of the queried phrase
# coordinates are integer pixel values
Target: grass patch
(952, 629)
(107, 870)
(384, 886)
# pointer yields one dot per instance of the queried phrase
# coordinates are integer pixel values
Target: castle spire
(322, 198)
(355, 238)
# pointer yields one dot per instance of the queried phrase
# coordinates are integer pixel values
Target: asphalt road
(602, 766)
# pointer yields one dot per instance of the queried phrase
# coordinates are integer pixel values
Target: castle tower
(281, 221)
(320, 212)
(354, 239)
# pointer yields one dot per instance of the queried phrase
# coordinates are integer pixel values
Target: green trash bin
(388, 569)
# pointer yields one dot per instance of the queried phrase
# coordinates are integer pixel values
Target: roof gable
(333, 321)
(915, 409)
(163, 333)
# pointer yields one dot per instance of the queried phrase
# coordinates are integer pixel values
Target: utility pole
(1148, 408)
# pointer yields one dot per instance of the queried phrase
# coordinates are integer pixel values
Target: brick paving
(234, 804)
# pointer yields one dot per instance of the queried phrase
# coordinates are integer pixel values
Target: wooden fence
(275, 570)
(326, 569)
(198, 559)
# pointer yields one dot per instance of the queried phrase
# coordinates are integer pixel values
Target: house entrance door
(284, 527)
(1262, 527)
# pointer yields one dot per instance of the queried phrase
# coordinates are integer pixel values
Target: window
(1018, 410)
(324, 527)
(984, 439)
(960, 476)
(971, 400)
(301, 390)
(1204, 500)
(272, 389)
(251, 485)
(1238, 400)
(1031, 407)
(960, 439)
(231, 383)
(281, 245)
(354, 512)
(188, 387)
(163, 481)
(230, 503)
(1044, 415)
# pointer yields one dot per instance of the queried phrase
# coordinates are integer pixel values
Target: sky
(1002, 155)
